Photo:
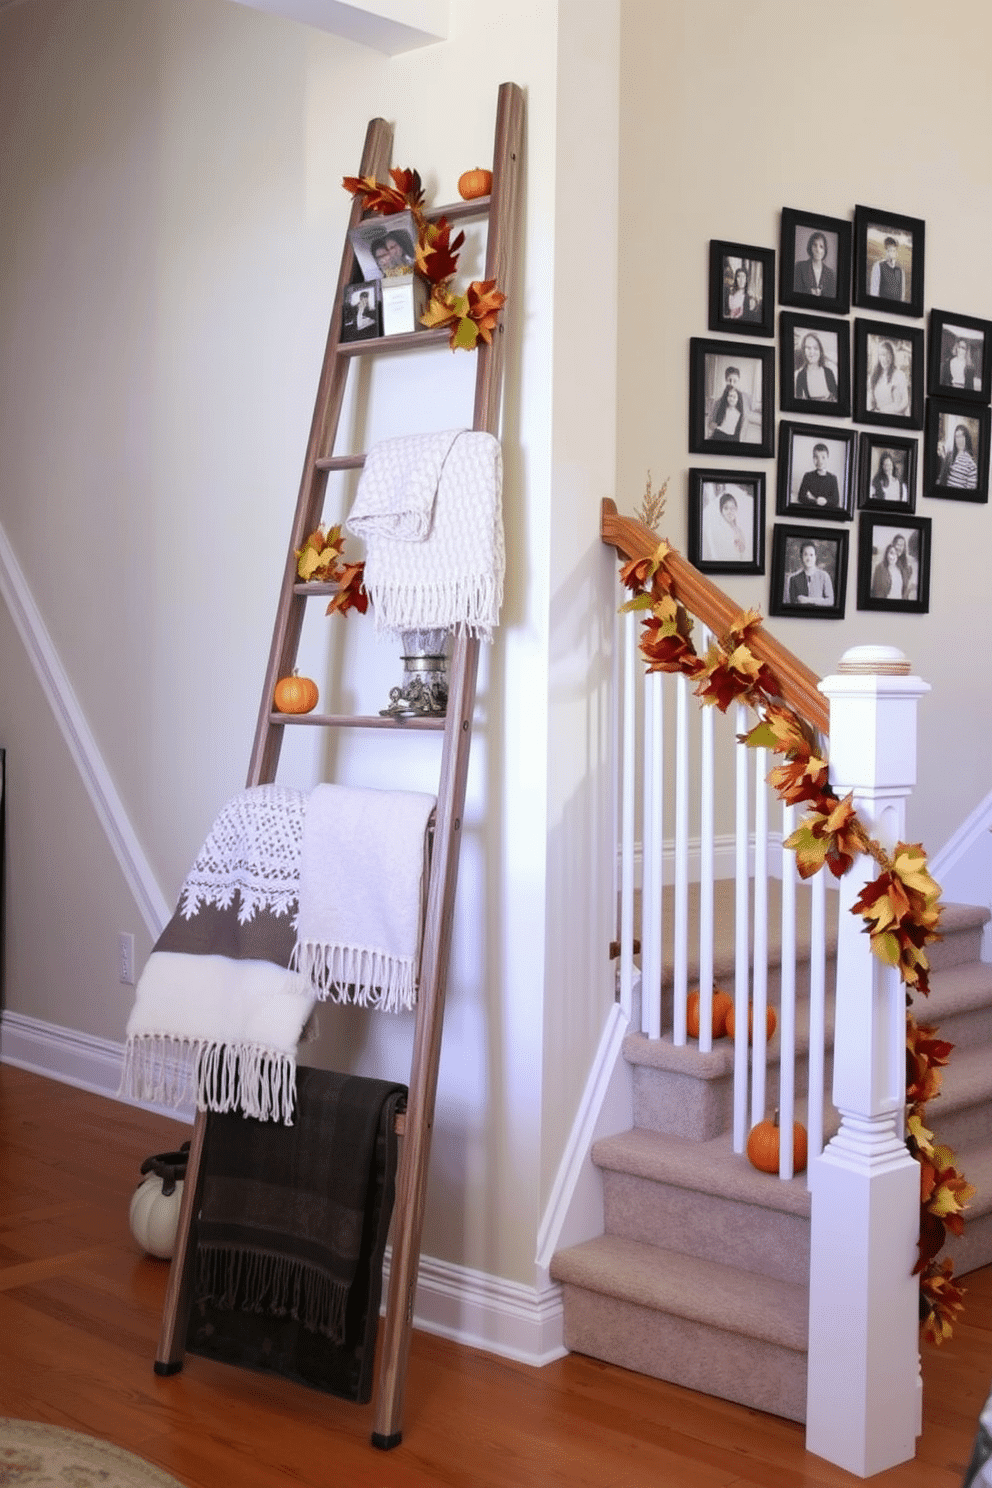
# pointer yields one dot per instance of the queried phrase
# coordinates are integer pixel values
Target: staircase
(702, 1275)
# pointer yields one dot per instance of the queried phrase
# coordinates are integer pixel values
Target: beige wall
(726, 117)
(169, 236)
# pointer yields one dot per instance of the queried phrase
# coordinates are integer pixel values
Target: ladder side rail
(411, 1189)
(288, 626)
(504, 214)
(411, 1184)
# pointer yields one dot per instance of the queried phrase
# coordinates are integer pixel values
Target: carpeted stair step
(699, 1323)
(961, 1116)
(960, 1003)
(974, 1247)
(706, 1200)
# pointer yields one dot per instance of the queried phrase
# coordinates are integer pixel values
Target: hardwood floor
(79, 1317)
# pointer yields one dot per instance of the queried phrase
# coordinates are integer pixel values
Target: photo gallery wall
(879, 371)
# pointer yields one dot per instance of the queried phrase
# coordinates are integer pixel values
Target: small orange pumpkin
(722, 1005)
(473, 183)
(763, 1146)
(771, 1022)
(295, 694)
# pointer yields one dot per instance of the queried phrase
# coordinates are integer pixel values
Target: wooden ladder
(500, 209)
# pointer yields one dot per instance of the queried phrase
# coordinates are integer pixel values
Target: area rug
(33, 1455)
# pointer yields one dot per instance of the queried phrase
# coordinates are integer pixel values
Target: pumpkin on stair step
(771, 1022)
(764, 1142)
(722, 1005)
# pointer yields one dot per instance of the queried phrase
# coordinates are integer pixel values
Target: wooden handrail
(798, 684)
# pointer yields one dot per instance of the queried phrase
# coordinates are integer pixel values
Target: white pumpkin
(154, 1216)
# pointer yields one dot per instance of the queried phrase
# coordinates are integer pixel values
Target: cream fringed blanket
(429, 507)
(224, 997)
(359, 932)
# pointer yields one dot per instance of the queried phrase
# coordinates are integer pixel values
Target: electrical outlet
(125, 959)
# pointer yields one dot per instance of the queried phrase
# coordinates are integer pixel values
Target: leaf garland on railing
(900, 907)
(473, 315)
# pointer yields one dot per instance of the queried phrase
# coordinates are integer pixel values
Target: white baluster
(627, 783)
(787, 1009)
(680, 926)
(817, 1018)
(741, 977)
(759, 1049)
(863, 1402)
(706, 773)
(652, 848)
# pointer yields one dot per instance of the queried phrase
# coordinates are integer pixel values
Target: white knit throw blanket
(361, 895)
(252, 850)
(223, 1028)
(429, 507)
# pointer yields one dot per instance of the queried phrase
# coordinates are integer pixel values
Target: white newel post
(864, 1398)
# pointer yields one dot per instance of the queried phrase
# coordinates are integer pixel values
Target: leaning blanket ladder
(500, 209)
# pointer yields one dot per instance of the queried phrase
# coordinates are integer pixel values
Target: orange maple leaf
(437, 256)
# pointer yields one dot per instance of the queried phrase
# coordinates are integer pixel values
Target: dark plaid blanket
(291, 1234)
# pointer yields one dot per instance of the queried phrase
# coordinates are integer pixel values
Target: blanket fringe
(219, 1076)
(249, 1280)
(466, 606)
(371, 979)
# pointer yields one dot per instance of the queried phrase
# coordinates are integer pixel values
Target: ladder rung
(460, 211)
(340, 462)
(358, 720)
(403, 341)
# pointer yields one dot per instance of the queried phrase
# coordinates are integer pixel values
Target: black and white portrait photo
(360, 312)
(809, 572)
(889, 374)
(960, 357)
(727, 521)
(815, 261)
(888, 261)
(957, 451)
(894, 563)
(887, 473)
(742, 289)
(815, 372)
(731, 397)
(815, 472)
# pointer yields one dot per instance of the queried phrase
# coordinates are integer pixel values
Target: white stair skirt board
(471, 1307)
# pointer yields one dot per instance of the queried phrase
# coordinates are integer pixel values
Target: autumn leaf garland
(900, 907)
(472, 316)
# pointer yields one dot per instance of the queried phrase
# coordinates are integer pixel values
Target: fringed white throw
(217, 1013)
(429, 507)
(361, 895)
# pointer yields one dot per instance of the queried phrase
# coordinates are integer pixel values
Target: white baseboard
(470, 1307)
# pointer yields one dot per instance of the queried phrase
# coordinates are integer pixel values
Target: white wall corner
(390, 26)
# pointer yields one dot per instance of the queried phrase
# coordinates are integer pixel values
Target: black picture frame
(754, 315)
(361, 310)
(788, 544)
(796, 256)
(811, 483)
(877, 485)
(873, 230)
(888, 374)
(966, 374)
(716, 544)
(712, 381)
(881, 565)
(944, 417)
(833, 340)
